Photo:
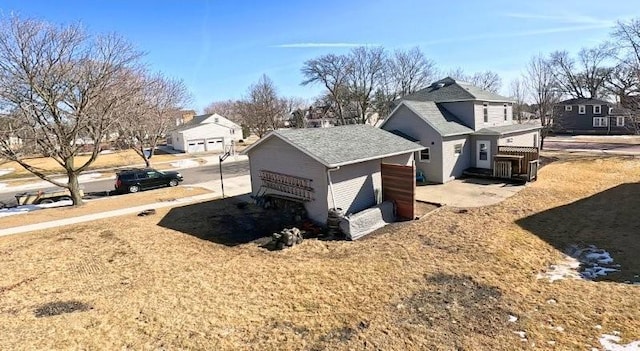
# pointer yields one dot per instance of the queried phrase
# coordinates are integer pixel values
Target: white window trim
(420, 159)
(485, 112)
(600, 122)
(582, 109)
(461, 148)
(599, 112)
(568, 108)
(618, 119)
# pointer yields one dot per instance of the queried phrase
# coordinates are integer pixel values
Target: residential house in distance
(210, 132)
(461, 126)
(590, 116)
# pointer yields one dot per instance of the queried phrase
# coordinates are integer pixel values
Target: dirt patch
(60, 307)
(457, 305)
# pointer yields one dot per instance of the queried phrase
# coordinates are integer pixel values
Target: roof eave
(346, 163)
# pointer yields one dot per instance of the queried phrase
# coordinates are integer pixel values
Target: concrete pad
(470, 192)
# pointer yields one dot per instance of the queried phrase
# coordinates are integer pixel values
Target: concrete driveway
(470, 192)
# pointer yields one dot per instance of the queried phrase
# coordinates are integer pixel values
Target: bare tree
(150, 116)
(405, 73)
(332, 72)
(586, 76)
(624, 81)
(541, 84)
(518, 93)
(61, 86)
(367, 66)
(227, 108)
(487, 80)
(263, 109)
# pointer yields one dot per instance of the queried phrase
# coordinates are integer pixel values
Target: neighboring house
(590, 116)
(184, 116)
(326, 168)
(210, 132)
(461, 127)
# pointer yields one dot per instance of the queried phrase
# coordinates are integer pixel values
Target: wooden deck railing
(516, 161)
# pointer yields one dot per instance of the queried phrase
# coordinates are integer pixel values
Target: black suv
(136, 179)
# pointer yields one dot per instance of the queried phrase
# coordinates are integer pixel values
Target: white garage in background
(205, 133)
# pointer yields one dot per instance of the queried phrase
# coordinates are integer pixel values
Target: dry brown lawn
(446, 282)
(101, 205)
(116, 159)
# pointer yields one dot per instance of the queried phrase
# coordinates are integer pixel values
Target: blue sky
(219, 48)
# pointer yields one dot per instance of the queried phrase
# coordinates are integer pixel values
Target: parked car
(137, 179)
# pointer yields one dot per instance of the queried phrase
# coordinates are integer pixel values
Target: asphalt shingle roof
(444, 122)
(584, 101)
(343, 145)
(449, 89)
(508, 129)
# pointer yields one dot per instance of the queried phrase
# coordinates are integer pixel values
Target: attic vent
(439, 85)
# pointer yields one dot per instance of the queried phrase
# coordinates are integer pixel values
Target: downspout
(333, 197)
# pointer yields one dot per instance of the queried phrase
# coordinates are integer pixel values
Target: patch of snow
(598, 326)
(581, 263)
(512, 319)
(4, 171)
(2, 185)
(521, 334)
(105, 152)
(611, 343)
(551, 301)
(551, 342)
(6, 212)
(185, 164)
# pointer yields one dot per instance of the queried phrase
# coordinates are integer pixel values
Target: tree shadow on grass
(608, 220)
(231, 221)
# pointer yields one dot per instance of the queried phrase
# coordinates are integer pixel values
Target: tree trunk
(74, 188)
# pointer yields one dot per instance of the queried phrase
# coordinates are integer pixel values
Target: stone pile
(287, 238)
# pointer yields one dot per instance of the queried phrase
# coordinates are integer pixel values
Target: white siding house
(210, 132)
(341, 165)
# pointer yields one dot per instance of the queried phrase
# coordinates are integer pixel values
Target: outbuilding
(210, 132)
(336, 167)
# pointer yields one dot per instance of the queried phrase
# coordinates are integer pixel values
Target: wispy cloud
(573, 19)
(322, 45)
(526, 33)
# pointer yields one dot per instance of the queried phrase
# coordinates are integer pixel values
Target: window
(425, 155)
(597, 109)
(581, 109)
(505, 112)
(568, 108)
(457, 149)
(620, 121)
(485, 112)
(599, 121)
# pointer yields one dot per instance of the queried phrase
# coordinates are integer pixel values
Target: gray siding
(495, 114)
(493, 141)
(464, 110)
(407, 122)
(453, 164)
(405, 160)
(277, 156)
(355, 186)
(574, 123)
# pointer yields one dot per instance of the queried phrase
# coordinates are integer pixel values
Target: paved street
(191, 176)
(625, 149)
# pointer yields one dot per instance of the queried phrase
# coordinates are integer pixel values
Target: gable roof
(198, 121)
(450, 90)
(584, 101)
(441, 120)
(343, 145)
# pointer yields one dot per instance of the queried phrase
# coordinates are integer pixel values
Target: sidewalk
(232, 187)
(5, 187)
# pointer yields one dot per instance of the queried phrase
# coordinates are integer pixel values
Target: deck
(511, 163)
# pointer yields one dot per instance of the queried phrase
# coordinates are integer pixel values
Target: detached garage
(206, 133)
(337, 167)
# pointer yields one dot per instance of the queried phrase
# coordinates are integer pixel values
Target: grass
(116, 159)
(101, 205)
(448, 281)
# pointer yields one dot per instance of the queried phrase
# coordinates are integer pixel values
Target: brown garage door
(399, 185)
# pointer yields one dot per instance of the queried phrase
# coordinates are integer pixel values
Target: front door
(483, 154)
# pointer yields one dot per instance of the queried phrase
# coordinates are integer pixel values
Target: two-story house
(590, 116)
(461, 127)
